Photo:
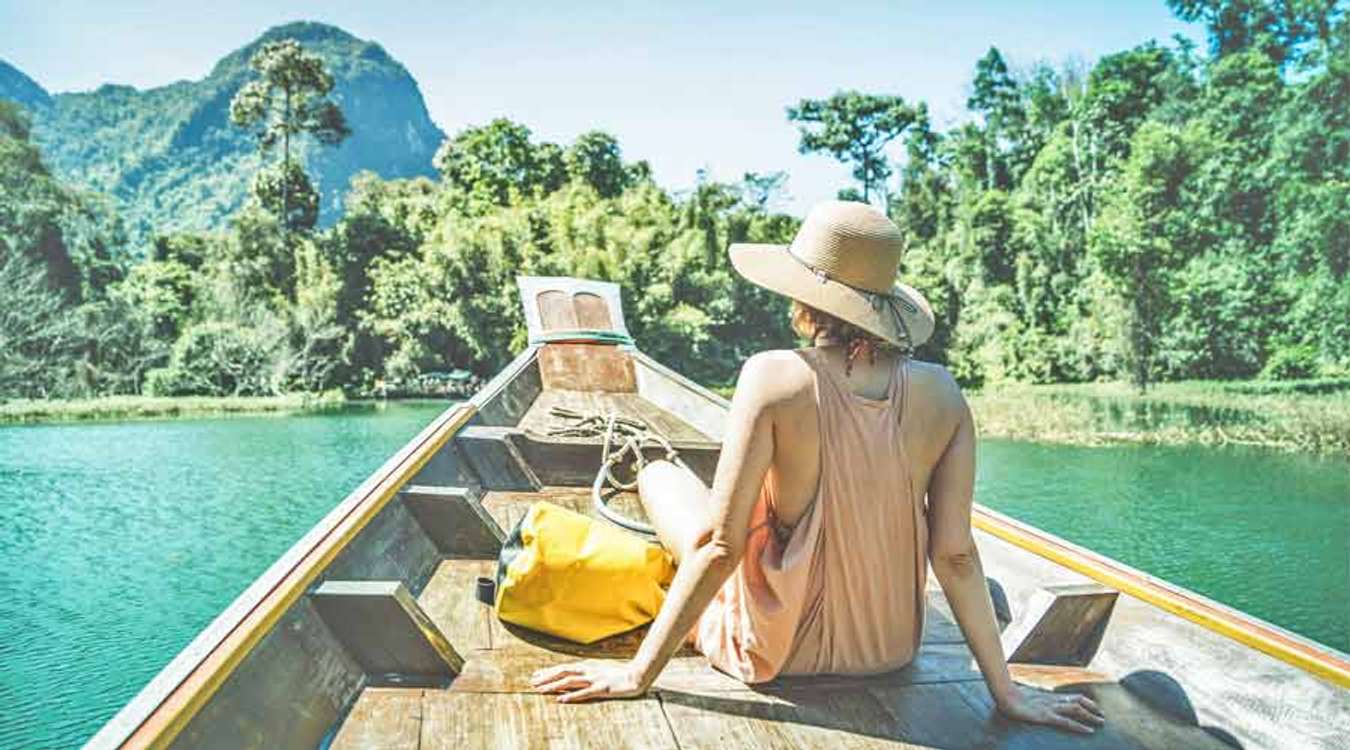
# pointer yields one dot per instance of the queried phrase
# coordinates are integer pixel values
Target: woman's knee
(676, 503)
(663, 480)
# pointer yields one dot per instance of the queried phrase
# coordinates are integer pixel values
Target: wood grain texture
(289, 691)
(449, 601)
(919, 716)
(386, 631)
(462, 721)
(540, 419)
(592, 312)
(1307, 655)
(1062, 625)
(383, 719)
(556, 312)
(938, 701)
(589, 367)
(454, 519)
(495, 458)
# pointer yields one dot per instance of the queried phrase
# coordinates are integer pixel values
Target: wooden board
(449, 601)
(455, 521)
(586, 367)
(539, 419)
(917, 716)
(461, 721)
(382, 719)
(1061, 625)
(386, 631)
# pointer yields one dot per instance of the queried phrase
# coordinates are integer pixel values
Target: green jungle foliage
(1167, 214)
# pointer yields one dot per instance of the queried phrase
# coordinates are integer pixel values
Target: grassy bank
(149, 407)
(1309, 416)
(1312, 416)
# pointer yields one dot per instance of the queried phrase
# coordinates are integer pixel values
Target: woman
(809, 554)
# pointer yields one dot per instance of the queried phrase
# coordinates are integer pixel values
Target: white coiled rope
(620, 437)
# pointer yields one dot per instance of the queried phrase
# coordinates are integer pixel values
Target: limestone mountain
(171, 159)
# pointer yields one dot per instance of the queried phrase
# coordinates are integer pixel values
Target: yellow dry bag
(568, 575)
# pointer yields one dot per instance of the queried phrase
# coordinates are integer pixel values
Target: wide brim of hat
(771, 267)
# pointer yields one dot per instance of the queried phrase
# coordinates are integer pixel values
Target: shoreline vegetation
(1304, 416)
(127, 408)
(1299, 416)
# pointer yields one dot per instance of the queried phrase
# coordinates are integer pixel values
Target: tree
(995, 95)
(1278, 29)
(854, 128)
(762, 189)
(1136, 242)
(596, 159)
(39, 333)
(489, 165)
(288, 99)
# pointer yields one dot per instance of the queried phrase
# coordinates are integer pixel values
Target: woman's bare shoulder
(773, 377)
(935, 384)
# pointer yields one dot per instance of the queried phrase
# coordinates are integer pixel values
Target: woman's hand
(590, 680)
(1071, 711)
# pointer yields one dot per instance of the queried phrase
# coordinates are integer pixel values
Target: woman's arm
(747, 451)
(956, 562)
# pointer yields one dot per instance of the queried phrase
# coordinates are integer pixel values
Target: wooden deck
(538, 419)
(938, 701)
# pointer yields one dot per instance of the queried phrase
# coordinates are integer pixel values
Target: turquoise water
(118, 542)
(1267, 533)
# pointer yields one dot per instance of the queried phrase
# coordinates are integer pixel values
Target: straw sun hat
(843, 261)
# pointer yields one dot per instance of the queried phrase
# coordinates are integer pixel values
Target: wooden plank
(461, 721)
(939, 624)
(448, 600)
(592, 312)
(392, 547)
(669, 390)
(165, 706)
(495, 458)
(1130, 723)
(382, 719)
(516, 653)
(916, 716)
(540, 419)
(455, 520)
(556, 312)
(508, 396)
(586, 367)
(1062, 625)
(386, 631)
(289, 692)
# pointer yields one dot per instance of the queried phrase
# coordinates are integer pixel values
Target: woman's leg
(676, 501)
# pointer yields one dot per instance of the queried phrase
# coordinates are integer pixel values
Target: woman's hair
(816, 325)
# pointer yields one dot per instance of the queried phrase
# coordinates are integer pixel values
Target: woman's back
(834, 570)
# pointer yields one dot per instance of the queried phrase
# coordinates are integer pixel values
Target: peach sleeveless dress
(842, 592)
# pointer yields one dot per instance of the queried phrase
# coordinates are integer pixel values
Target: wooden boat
(367, 633)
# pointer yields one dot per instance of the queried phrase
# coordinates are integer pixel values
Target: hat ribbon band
(876, 298)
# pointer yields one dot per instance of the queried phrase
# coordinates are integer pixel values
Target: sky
(684, 85)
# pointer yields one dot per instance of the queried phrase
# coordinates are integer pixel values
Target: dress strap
(900, 388)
